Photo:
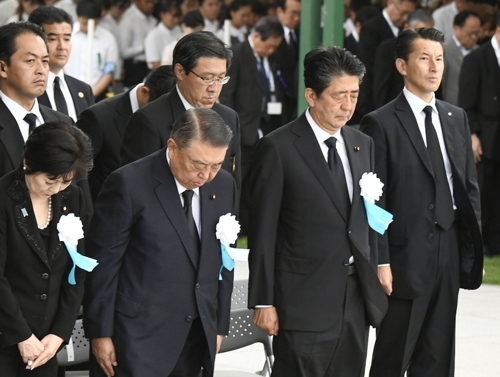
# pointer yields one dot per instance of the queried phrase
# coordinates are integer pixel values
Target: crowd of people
(130, 130)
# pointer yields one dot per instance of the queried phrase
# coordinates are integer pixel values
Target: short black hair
(167, 6)
(9, 34)
(58, 150)
(201, 124)
(193, 19)
(50, 15)
(88, 9)
(323, 64)
(269, 27)
(282, 4)
(201, 44)
(160, 81)
(121, 4)
(259, 8)
(405, 39)
(461, 18)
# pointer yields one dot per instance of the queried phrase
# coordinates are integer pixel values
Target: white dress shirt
(267, 68)
(134, 27)
(186, 104)
(156, 41)
(195, 204)
(19, 112)
(212, 26)
(496, 47)
(417, 107)
(394, 28)
(104, 51)
(134, 103)
(65, 91)
(7, 9)
(462, 49)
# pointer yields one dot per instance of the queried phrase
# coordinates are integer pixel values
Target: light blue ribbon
(85, 263)
(378, 218)
(227, 261)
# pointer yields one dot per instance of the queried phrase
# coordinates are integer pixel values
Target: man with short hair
(64, 93)
(155, 305)
(200, 63)
(479, 96)
(466, 32)
(105, 122)
(210, 10)
(24, 69)
(423, 155)
(313, 257)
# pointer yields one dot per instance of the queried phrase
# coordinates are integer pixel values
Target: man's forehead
(211, 65)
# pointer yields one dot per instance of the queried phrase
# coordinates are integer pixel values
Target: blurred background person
(192, 22)
(258, 11)
(210, 9)
(7, 9)
(68, 6)
(113, 11)
(39, 305)
(363, 14)
(25, 8)
(238, 12)
(168, 30)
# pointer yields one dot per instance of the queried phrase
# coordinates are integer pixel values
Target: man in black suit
(105, 122)
(423, 154)
(313, 257)
(24, 68)
(64, 93)
(386, 25)
(287, 55)
(155, 305)
(200, 63)
(479, 96)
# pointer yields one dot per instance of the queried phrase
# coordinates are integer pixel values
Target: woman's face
(40, 185)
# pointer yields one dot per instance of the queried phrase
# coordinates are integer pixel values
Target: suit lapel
(308, 148)
(168, 196)
(251, 61)
(55, 246)
(409, 123)
(124, 112)
(10, 136)
(355, 164)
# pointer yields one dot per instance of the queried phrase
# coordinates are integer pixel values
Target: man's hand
(30, 348)
(267, 320)
(476, 148)
(104, 351)
(51, 343)
(220, 338)
(385, 278)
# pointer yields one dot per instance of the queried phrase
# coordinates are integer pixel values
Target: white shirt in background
(157, 39)
(134, 27)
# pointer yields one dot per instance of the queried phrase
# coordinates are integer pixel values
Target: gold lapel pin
(212, 196)
(81, 95)
(65, 209)
(449, 114)
(357, 148)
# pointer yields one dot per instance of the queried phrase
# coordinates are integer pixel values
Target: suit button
(43, 297)
(431, 206)
(197, 286)
(189, 318)
(430, 235)
(45, 276)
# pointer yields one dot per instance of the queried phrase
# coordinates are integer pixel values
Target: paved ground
(478, 337)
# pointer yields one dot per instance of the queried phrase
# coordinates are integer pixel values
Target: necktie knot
(428, 111)
(331, 142)
(61, 105)
(56, 80)
(30, 118)
(188, 198)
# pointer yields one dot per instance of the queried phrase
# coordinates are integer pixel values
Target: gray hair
(201, 124)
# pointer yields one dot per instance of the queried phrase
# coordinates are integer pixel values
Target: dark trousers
(488, 172)
(12, 365)
(328, 353)
(418, 335)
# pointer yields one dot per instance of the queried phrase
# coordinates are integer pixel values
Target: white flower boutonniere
(70, 230)
(226, 231)
(371, 191)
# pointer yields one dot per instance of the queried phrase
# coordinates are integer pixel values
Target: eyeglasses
(212, 80)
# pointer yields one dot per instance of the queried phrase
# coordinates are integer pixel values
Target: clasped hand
(39, 351)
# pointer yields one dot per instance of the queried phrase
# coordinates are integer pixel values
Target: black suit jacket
(403, 165)
(373, 32)
(149, 129)
(28, 270)
(105, 124)
(479, 95)
(80, 92)
(149, 284)
(387, 81)
(11, 139)
(299, 241)
(244, 93)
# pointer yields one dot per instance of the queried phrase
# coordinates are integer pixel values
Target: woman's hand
(30, 348)
(51, 343)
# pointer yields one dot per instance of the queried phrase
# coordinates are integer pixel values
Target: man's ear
(310, 96)
(401, 66)
(3, 69)
(178, 71)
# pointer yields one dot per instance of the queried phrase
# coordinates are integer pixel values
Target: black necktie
(293, 45)
(30, 118)
(59, 97)
(443, 208)
(188, 197)
(337, 169)
(267, 91)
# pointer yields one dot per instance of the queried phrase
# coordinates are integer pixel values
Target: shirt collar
(321, 134)
(417, 104)
(496, 47)
(134, 103)
(391, 24)
(181, 188)
(52, 77)
(20, 112)
(186, 104)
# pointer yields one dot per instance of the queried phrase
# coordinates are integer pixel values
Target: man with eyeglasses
(200, 64)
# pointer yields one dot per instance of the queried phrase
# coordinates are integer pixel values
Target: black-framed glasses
(212, 80)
